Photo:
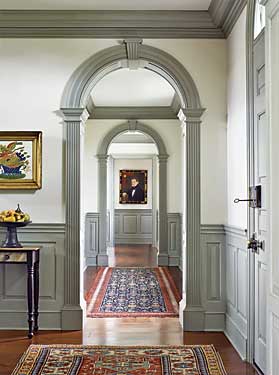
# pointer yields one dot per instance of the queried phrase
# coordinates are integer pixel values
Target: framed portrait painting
(20, 160)
(133, 186)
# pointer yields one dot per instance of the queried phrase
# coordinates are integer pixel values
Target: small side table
(31, 257)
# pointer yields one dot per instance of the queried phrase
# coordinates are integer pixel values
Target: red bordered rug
(120, 360)
(133, 292)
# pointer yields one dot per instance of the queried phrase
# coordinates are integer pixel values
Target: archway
(162, 162)
(73, 106)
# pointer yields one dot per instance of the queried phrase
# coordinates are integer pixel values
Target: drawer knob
(7, 257)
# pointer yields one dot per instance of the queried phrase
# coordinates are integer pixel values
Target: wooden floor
(123, 331)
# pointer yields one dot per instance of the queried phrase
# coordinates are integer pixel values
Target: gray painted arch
(73, 108)
(91, 71)
(132, 125)
(163, 259)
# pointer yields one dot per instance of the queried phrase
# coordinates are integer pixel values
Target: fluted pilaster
(74, 120)
(102, 258)
(163, 222)
(193, 317)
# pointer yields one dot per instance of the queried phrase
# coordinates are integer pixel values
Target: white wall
(33, 74)
(206, 61)
(236, 138)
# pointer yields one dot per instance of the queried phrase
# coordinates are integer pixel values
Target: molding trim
(127, 113)
(41, 228)
(135, 125)
(111, 24)
(212, 229)
(225, 13)
(236, 231)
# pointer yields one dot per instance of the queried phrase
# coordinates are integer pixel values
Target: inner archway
(133, 53)
(162, 177)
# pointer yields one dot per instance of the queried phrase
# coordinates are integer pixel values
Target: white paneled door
(261, 217)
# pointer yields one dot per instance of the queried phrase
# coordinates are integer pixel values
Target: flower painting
(15, 160)
(20, 160)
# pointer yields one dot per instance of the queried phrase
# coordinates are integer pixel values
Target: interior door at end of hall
(261, 175)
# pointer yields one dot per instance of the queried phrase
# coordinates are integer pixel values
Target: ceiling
(133, 88)
(106, 4)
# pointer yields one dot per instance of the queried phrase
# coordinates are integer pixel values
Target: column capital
(187, 115)
(162, 158)
(74, 114)
(102, 158)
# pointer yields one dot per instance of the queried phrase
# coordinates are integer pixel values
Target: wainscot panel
(213, 276)
(133, 226)
(13, 305)
(91, 238)
(236, 288)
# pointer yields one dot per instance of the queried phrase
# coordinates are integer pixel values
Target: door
(261, 215)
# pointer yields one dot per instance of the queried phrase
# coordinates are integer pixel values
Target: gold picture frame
(20, 160)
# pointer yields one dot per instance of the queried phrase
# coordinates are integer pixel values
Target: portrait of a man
(133, 187)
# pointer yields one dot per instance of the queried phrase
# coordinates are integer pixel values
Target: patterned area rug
(107, 360)
(120, 292)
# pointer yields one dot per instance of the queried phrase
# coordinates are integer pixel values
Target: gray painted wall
(133, 226)
(13, 306)
(224, 270)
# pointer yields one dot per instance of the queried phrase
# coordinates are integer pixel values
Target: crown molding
(225, 13)
(126, 113)
(107, 24)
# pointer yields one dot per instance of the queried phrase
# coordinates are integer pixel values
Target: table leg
(30, 293)
(36, 295)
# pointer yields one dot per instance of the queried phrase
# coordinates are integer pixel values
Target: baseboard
(174, 261)
(214, 321)
(236, 338)
(133, 241)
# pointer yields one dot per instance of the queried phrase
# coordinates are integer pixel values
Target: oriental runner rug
(133, 292)
(122, 360)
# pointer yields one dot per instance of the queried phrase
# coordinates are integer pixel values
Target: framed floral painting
(20, 160)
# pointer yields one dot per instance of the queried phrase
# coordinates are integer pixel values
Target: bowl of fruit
(12, 219)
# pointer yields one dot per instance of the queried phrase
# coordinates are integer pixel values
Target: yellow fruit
(26, 217)
(10, 219)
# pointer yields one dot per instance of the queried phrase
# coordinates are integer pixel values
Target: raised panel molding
(133, 226)
(92, 223)
(213, 251)
(51, 239)
(236, 288)
(213, 276)
(275, 343)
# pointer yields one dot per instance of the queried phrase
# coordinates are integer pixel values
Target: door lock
(255, 244)
(255, 197)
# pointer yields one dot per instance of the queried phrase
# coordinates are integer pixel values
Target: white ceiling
(126, 88)
(107, 4)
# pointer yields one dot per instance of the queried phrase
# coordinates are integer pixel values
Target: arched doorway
(73, 106)
(162, 177)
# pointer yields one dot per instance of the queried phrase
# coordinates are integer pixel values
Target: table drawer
(13, 257)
